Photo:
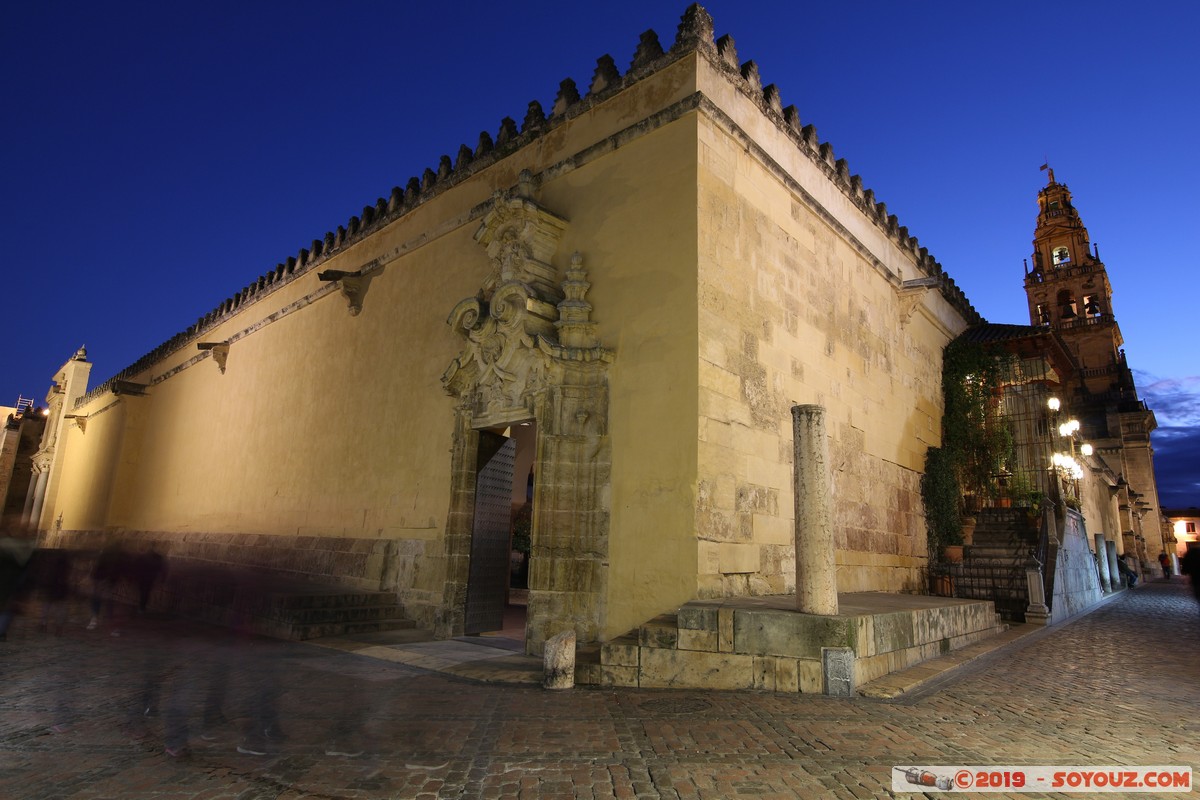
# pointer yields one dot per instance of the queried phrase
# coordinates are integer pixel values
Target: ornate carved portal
(531, 353)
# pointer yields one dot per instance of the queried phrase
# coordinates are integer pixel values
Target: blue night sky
(157, 157)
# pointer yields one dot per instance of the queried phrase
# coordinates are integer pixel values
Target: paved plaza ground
(1117, 686)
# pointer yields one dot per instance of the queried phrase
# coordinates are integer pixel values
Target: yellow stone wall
(799, 303)
(640, 251)
(326, 424)
(731, 277)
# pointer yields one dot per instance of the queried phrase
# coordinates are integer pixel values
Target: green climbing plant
(977, 443)
(939, 487)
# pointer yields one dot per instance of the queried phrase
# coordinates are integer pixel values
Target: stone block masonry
(764, 643)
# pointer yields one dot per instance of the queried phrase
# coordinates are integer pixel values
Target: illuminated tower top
(1068, 288)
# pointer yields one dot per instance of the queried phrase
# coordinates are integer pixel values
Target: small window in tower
(1062, 255)
(1066, 305)
(1053, 205)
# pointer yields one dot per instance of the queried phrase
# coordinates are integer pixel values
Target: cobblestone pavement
(1117, 686)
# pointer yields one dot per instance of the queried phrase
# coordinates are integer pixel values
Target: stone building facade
(20, 438)
(1184, 526)
(617, 301)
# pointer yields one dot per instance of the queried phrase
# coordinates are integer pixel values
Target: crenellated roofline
(693, 35)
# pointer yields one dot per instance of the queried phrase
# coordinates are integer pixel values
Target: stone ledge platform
(764, 643)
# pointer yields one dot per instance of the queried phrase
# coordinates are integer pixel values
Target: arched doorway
(498, 568)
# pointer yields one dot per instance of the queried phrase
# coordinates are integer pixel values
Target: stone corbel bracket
(80, 420)
(219, 350)
(353, 284)
(911, 293)
(128, 388)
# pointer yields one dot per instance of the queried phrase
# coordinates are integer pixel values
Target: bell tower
(1068, 290)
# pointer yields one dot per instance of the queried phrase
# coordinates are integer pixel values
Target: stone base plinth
(764, 643)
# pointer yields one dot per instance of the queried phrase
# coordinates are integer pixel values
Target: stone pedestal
(560, 661)
(1037, 612)
(816, 569)
(837, 666)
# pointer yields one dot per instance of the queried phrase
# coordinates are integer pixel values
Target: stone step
(330, 600)
(380, 613)
(587, 664)
(1013, 519)
(1006, 581)
(998, 559)
(301, 632)
(990, 548)
(1005, 534)
(662, 632)
(991, 525)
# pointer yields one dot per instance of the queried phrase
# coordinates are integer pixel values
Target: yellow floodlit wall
(731, 275)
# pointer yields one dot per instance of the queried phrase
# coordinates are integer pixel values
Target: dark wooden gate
(491, 534)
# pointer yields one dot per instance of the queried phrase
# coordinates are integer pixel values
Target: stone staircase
(994, 564)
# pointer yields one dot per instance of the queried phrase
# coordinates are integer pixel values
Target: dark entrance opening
(498, 571)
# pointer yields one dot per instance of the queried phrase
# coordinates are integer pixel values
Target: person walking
(109, 569)
(1191, 568)
(15, 552)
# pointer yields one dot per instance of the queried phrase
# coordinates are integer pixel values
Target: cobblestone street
(1117, 686)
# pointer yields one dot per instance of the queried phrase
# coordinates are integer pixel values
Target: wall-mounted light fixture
(1069, 427)
(1067, 465)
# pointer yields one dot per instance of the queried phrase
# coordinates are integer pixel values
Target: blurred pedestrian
(1191, 568)
(52, 570)
(1128, 576)
(199, 677)
(1164, 561)
(108, 571)
(147, 568)
(16, 549)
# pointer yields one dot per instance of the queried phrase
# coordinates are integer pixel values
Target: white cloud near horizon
(1174, 401)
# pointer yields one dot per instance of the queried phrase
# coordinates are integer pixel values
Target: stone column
(30, 493)
(39, 495)
(816, 569)
(1113, 573)
(1102, 562)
